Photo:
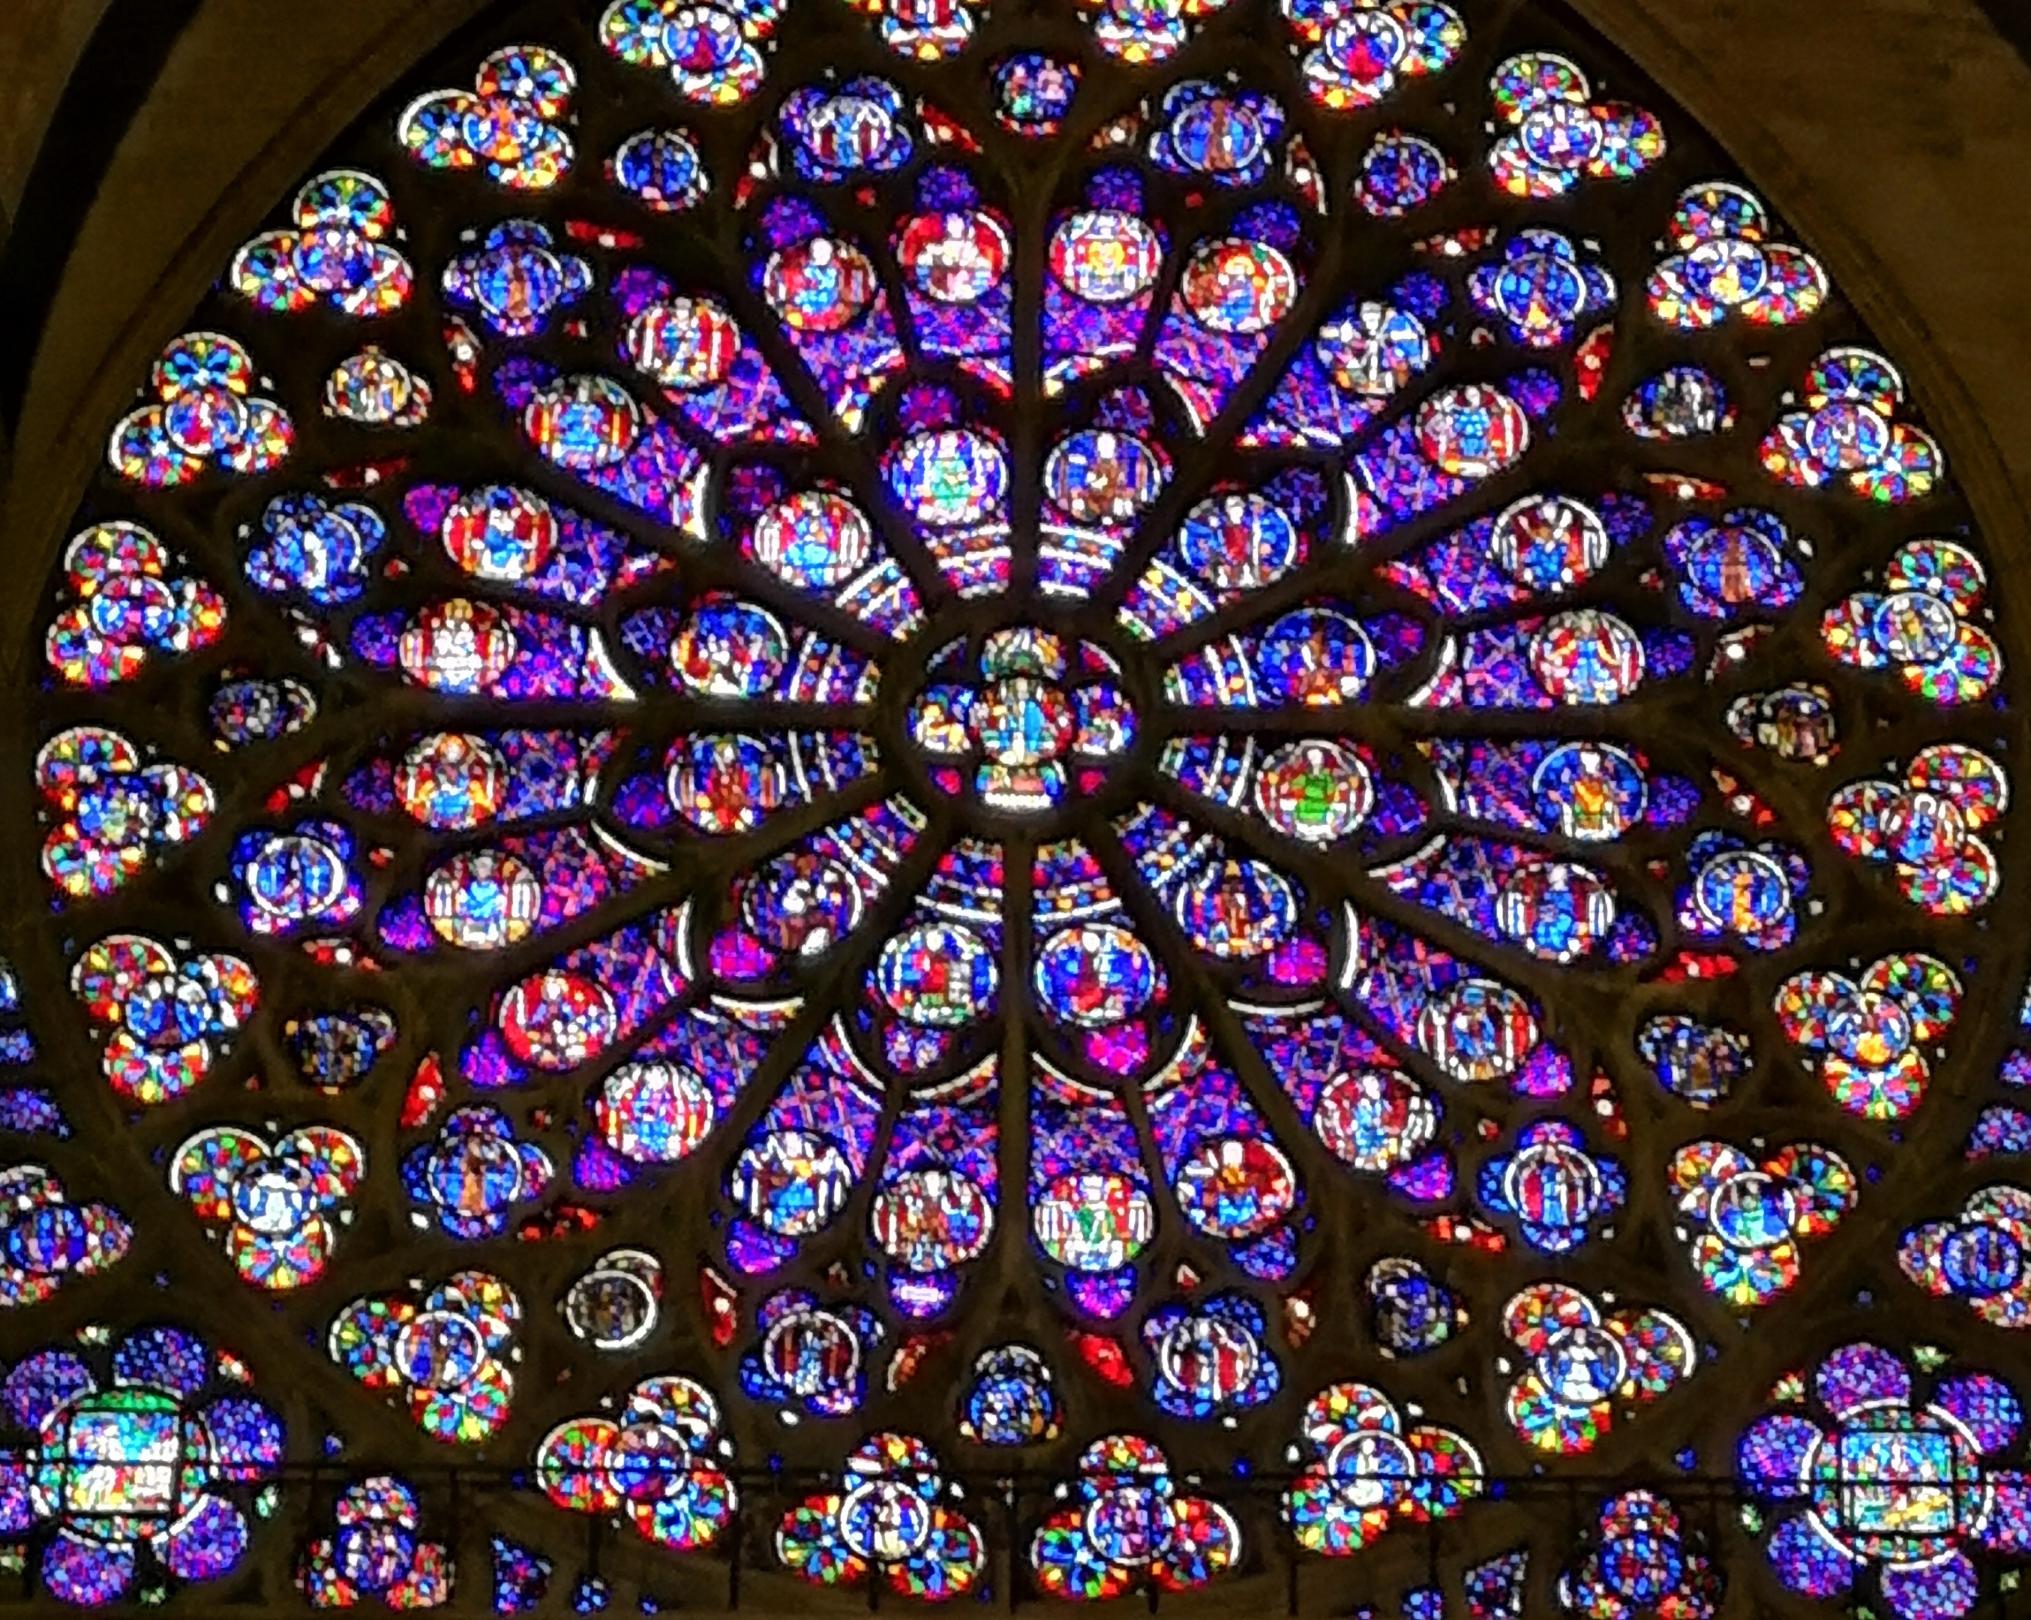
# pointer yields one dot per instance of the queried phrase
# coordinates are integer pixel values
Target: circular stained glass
(1250, 751)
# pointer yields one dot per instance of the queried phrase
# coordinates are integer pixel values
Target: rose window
(1024, 805)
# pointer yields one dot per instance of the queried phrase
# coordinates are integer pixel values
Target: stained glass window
(1029, 804)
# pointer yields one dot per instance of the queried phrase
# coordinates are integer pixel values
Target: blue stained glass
(1081, 705)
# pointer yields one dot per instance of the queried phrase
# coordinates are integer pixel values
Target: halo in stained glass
(989, 703)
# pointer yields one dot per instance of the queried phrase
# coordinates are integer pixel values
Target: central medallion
(1030, 718)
